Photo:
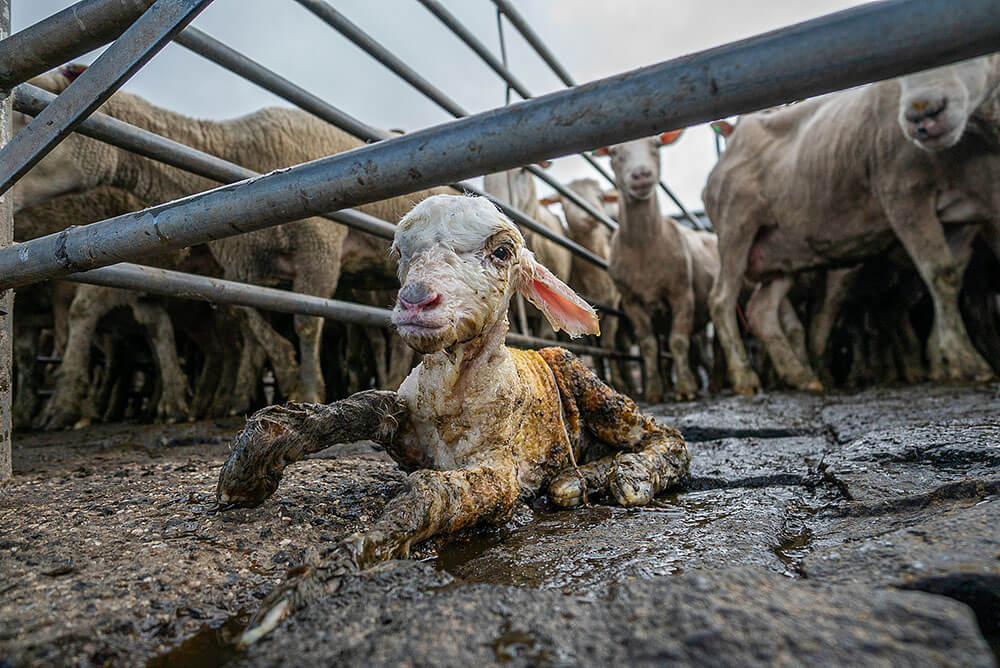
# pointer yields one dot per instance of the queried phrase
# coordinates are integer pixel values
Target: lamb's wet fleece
(655, 455)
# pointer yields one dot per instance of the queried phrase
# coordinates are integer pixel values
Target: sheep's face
(637, 163)
(460, 262)
(935, 105)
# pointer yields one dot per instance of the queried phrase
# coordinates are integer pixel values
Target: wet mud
(882, 505)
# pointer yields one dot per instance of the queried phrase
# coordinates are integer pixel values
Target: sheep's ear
(548, 201)
(562, 307)
(668, 138)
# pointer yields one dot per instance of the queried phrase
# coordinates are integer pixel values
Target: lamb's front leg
(436, 502)
(276, 436)
(654, 456)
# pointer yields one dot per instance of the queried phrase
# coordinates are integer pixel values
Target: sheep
(834, 181)
(310, 253)
(657, 263)
(480, 425)
(586, 277)
(75, 328)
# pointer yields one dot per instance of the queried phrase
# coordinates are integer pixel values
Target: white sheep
(310, 253)
(659, 266)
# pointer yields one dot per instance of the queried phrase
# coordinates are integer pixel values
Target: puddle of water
(210, 647)
(581, 551)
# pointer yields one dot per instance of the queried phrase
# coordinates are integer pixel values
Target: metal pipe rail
(474, 43)
(32, 100)
(189, 286)
(363, 40)
(140, 42)
(217, 52)
(64, 36)
(530, 36)
(869, 42)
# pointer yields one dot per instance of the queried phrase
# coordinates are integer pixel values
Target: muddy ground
(857, 528)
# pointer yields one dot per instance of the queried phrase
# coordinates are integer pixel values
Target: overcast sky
(592, 39)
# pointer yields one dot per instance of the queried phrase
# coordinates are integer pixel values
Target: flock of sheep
(856, 240)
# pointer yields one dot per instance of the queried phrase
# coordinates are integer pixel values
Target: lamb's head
(637, 163)
(935, 106)
(460, 262)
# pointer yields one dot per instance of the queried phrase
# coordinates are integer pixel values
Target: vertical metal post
(6, 296)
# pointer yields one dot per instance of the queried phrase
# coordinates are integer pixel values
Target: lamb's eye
(501, 254)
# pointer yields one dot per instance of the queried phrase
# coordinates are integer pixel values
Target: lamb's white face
(459, 262)
(935, 106)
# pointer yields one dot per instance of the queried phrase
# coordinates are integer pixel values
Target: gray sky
(592, 40)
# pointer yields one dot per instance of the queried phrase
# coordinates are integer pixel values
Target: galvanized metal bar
(341, 24)
(235, 62)
(66, 35)
(869, 42)
(534, 40)
(32, 100)
(97, 83)
(326, 13)
(189, 286)
(523, 27)
(212, 49)
(7, 295)
(474, 43)
(684, 212)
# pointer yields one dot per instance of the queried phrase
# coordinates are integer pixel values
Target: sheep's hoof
(814, 386)
(685, 396)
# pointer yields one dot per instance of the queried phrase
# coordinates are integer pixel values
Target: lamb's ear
(562, 307)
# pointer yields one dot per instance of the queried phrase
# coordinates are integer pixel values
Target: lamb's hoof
(747, 383)
(685, 396)
(83, 422)
(566, 491)
(629, 483)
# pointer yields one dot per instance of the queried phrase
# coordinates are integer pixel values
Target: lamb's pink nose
(417, 296)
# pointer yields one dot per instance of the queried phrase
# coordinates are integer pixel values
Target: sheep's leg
(723, 304)
(791, 325)
(762, 312)
(949, 349)
(838, 285)
(280, 351)
(654, 457)
(649, 348)
(437, 502)
(609, 337)
(67, 403)
(172, 405)
(681, 330)
(277, 436)
(311, 388)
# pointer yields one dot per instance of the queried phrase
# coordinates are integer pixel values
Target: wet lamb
(480, 425)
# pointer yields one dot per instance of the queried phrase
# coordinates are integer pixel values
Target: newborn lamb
(480, 425)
